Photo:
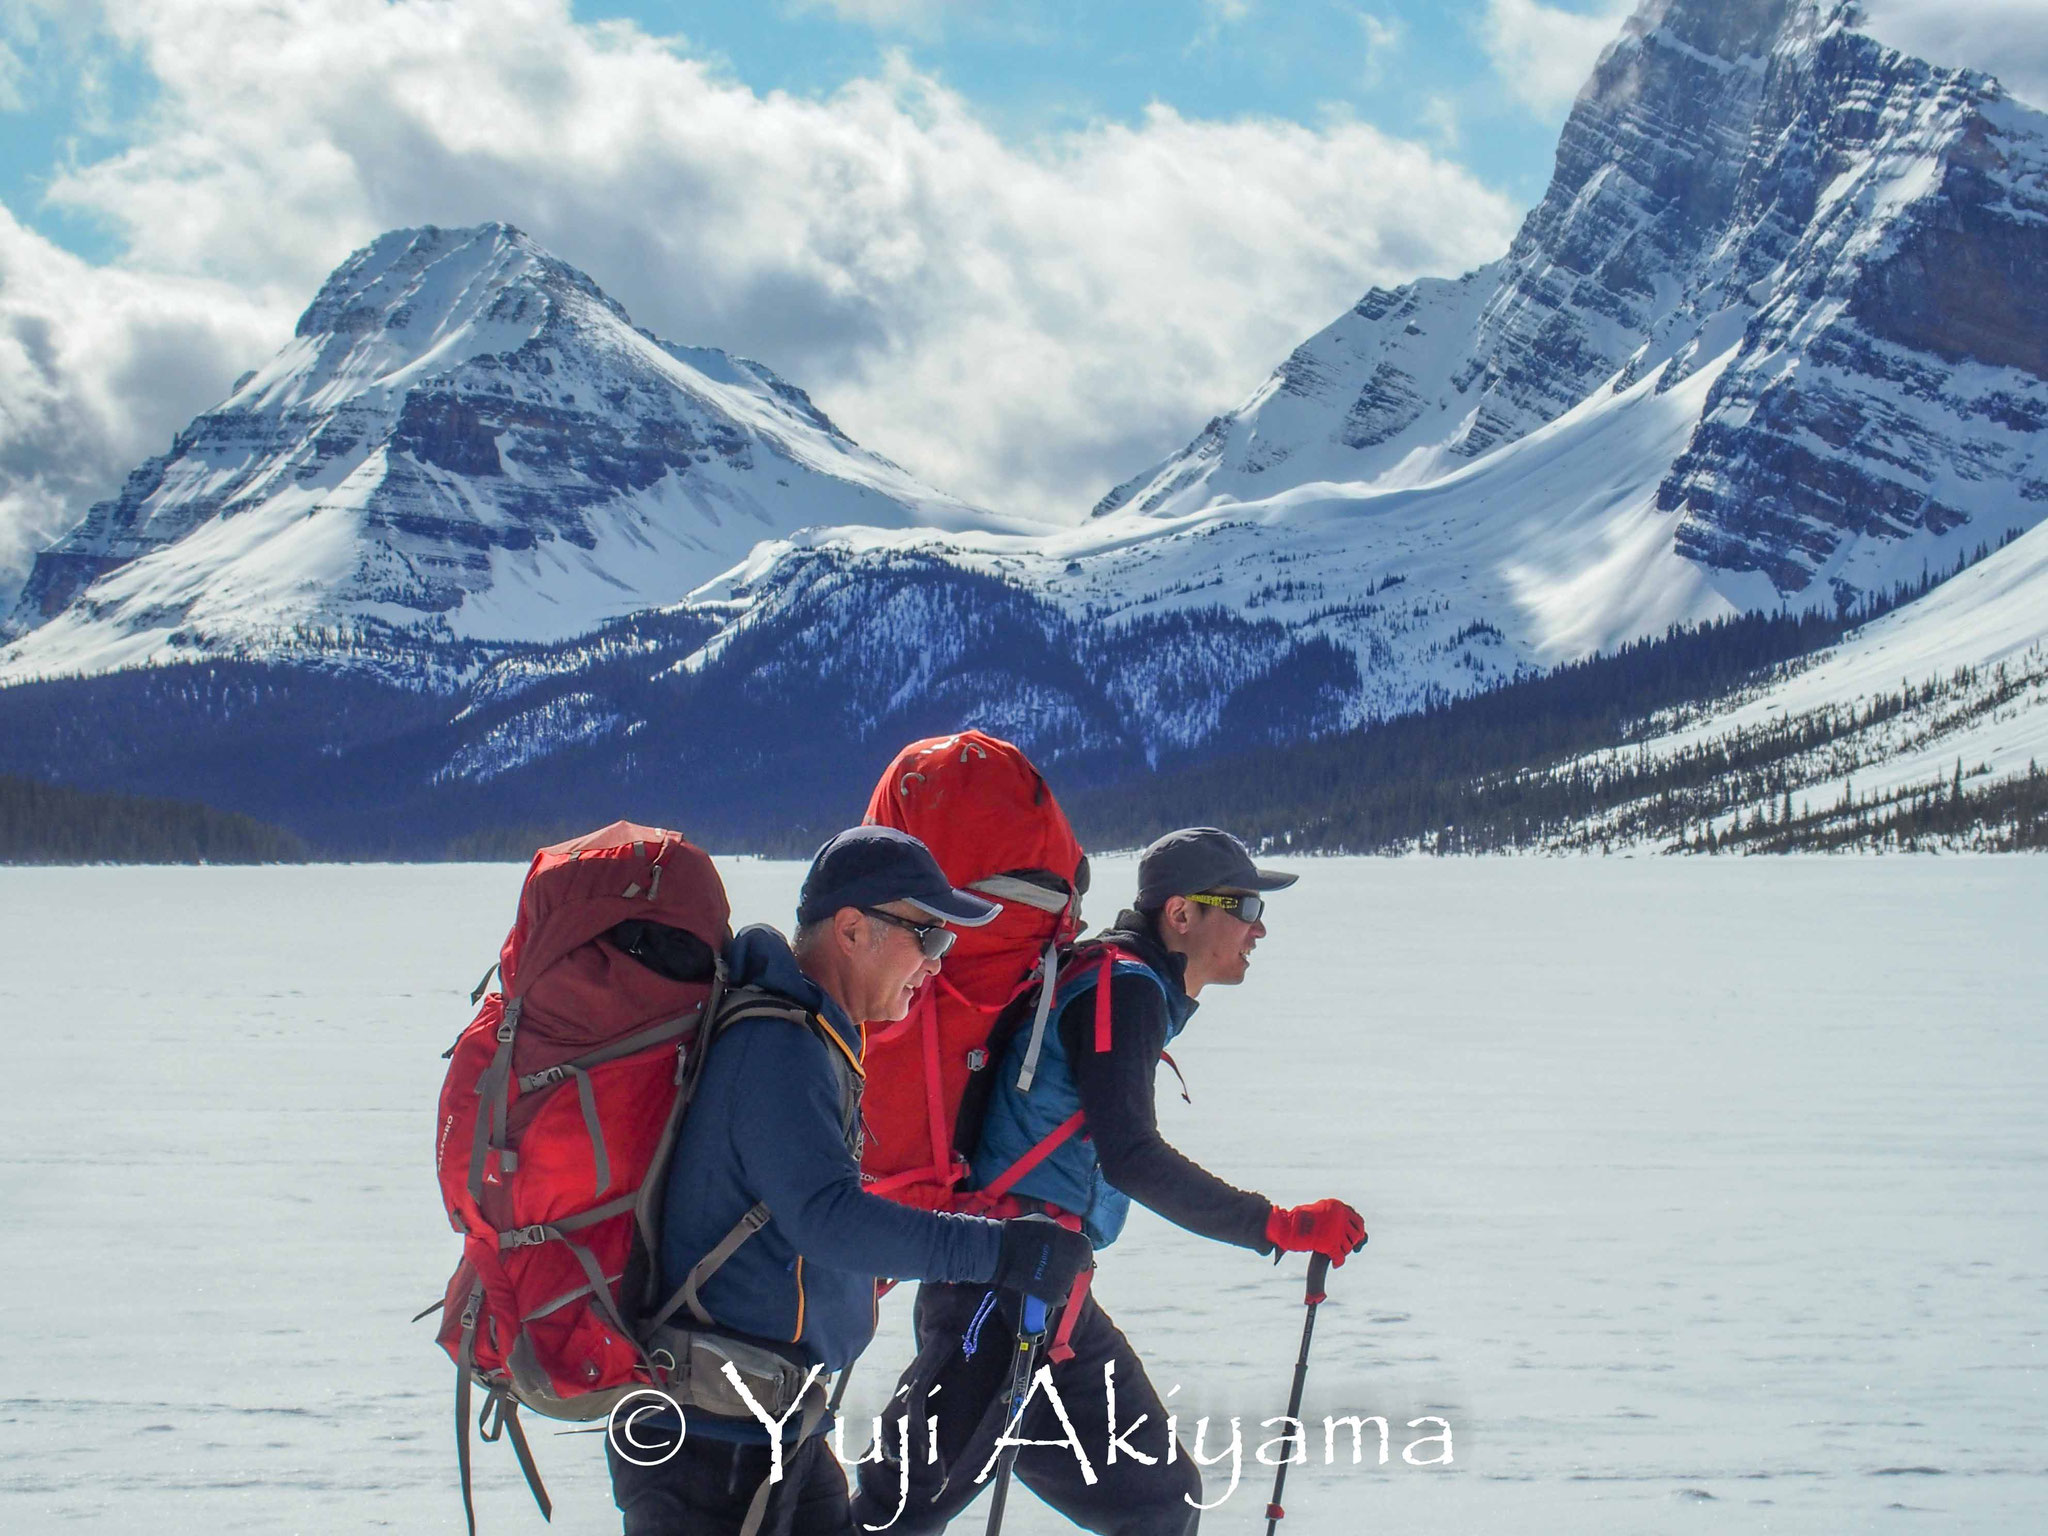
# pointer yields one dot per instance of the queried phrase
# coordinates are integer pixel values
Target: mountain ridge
(1716, 373)
(465, 440)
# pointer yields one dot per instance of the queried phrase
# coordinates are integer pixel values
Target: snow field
(1705, 1195)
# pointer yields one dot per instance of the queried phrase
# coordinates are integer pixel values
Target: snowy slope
(1543, 551)
(1969, 661)
(1704, 1197)
(465, 441)
(1872, 229)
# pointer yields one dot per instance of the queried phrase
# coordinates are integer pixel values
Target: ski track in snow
(1704, 1196)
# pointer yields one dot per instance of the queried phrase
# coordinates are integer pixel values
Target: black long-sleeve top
(1116, 1088)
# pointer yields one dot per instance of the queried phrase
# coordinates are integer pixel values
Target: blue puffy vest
(1070, 1177)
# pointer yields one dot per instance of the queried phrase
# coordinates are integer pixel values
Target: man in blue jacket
(767, 1234)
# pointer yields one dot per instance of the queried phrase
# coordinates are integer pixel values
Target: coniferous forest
(334, 767)
(51, 824)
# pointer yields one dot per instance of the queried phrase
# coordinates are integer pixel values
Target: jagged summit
(1749, 185)
(465, 440)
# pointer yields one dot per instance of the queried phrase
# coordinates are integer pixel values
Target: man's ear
(1174, 916)
(845, 927)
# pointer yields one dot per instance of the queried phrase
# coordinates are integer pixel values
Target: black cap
(869, 866)
(1200, 859)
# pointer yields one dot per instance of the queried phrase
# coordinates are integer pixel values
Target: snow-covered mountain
(1938, 704)
(1850, 239)
(465, 441)
(1775, 337)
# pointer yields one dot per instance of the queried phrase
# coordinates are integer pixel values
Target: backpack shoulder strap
(730, 1008)
(755, 1003)
(1092, 964)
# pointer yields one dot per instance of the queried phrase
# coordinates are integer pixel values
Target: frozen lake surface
(1705, 1196)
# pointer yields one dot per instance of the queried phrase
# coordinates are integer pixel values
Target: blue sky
(1410, 67)
(1030, 68)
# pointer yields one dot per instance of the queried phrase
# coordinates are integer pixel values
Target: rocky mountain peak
(1849, 238)
(465, 439)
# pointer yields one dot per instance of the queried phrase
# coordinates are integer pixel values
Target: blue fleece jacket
(766, 1127)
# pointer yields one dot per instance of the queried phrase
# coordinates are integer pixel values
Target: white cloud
(905, 15)
(13, 75)
(1543, 53)
(1383, 39)
(98, 367)
(1440, 116)
(2007, 37)
(1024, 327)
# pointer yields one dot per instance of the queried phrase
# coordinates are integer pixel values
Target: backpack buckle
(523, 1237)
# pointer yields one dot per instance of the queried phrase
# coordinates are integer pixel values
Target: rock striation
(464, 439)
(1863, 229)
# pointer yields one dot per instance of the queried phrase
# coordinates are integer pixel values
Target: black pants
(705, 1488)
(967, 1351)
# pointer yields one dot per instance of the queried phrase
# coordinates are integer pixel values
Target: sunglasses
(933, 938)
(1246, 909)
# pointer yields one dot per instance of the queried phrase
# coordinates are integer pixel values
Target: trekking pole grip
(1318, 1278)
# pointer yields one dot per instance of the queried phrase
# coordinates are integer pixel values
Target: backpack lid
(979, 804)
(577, 890)
(981, 807)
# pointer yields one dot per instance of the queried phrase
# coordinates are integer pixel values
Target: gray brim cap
(1201, 859)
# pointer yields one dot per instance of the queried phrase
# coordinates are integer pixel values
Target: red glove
(1327, 1226)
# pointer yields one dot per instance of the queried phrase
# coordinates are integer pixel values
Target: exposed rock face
(1775, 334)
(1616, 268)
(1871, 230)
(466, 438)
(1894, 382)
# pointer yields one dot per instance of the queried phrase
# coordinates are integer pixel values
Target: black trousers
(705, 1488)
(966, 1355)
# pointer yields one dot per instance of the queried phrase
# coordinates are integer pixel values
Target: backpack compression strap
(1005, 1181)
(494, 1089)
(738, 1005)
(1061, 905)
(500, 1413)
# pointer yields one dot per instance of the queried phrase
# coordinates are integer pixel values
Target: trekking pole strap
(1062, 1349)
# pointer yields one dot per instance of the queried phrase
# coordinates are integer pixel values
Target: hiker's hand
(1328, 1227)
(1041, 1258)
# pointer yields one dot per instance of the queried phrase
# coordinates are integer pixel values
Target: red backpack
(561, 1101)
(992, 823)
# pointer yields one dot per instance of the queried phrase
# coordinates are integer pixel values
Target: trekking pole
(1318, 1272)
(1029, 1338)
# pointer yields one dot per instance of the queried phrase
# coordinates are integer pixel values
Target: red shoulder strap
(1102, 1000)
(1005, 1181)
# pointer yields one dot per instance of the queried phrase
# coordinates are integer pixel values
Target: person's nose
(1258, 931)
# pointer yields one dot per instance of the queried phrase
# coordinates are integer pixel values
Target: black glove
(1041, 1258)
